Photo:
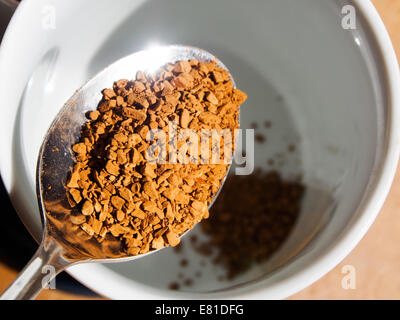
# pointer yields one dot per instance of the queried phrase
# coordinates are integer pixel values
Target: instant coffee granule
(116, 191)
(251, 218)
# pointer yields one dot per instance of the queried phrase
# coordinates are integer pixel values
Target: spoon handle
(37, 274)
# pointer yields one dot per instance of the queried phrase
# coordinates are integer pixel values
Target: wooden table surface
(376, 259)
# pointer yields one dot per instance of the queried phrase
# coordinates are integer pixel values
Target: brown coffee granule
(174, 286)
(184, 263)
(193, 239)
(268, 124)
(188, 282)
(260, 138)
(205, 249)
(121, 196)
(178, 248)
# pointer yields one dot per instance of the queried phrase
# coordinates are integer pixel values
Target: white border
(339, 249)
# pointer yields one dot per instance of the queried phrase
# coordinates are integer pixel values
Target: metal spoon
(61, 247)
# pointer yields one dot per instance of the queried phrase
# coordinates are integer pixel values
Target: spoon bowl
(62, 245)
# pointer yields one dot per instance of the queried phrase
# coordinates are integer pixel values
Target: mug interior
(320, 86)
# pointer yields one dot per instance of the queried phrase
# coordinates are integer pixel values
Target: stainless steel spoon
(60, 248)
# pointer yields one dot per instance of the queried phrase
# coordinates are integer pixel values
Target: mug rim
(354, 231)
(371, 206)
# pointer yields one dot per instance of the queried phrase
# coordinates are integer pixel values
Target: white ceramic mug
(331, 89)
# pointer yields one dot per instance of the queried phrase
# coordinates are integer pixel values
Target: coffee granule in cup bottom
(251, 218)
